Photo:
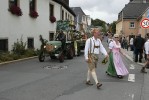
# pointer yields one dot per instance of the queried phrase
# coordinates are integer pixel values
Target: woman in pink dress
(116, 66)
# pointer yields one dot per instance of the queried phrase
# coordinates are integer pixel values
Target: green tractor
(55, 50)
(59, 49)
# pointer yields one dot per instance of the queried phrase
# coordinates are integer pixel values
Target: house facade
(82, 21)
(130, 17)
(27, 19)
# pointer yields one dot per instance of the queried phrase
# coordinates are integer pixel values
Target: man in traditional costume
(92, 48)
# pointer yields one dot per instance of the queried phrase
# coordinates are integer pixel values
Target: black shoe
(120, 76)
(147, 66)
(140, 61)
(99, 85)
(143, 70)
(89, 83)
(107, 73)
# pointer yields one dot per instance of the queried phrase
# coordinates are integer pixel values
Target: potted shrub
(15, 10)
(33, 14)
(52, 19)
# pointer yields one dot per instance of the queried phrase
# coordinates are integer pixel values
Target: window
(65, 16)
(68, 17)
(51, 10)
(30, 43)
(52, 18)
(14, 7)
(88, 18)
(62, 14)
(83, 17)
(32, 5)
(51, 36)
(13, 3)
(3, 44)
(32, 9)
(132, 25)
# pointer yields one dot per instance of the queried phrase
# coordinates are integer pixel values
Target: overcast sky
(106, 10)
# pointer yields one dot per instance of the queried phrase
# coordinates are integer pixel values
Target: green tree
(113, 27)
(98, 22)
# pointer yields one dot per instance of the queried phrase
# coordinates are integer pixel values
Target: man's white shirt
(131, 41)
(96, 50)
(146, 46)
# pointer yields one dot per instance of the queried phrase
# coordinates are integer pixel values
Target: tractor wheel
(41, 56)
(61, 57)
(70, 54)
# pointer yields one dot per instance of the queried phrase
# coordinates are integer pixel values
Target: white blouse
(114, 45)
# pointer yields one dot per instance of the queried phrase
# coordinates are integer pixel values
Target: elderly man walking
(92, 48)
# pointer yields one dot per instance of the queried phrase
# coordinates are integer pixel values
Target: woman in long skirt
(116, 66)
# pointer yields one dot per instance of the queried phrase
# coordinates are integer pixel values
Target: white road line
(132, 66)
(129, 57)
(132, 96)
(131, 77)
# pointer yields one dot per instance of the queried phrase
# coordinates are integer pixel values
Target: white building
(13, 27)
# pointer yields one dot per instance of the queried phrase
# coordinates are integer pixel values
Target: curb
(131, 59)
(7, 62)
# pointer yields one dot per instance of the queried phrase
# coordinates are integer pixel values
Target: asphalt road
(51, 80)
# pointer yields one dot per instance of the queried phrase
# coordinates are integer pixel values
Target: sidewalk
(129, 55)
(7, 62)
(145, 87)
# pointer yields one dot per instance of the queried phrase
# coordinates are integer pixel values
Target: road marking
(132, 66)
(132, 96)
(131, 77)
(55, 67)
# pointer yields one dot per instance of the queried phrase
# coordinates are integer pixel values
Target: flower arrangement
(33, 14)
(15, 10)
(52, 19)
